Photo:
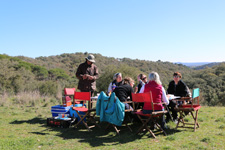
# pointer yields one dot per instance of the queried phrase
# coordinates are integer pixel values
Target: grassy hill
(50, 75)
(70, 62)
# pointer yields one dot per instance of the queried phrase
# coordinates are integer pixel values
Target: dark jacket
(180, 89)
(141, 83)
(123, 92)
(87, 84)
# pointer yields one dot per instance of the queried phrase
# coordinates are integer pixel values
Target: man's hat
(91, 58)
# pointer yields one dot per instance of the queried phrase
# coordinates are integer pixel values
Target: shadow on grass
(98, 136)
(39, 133)
(36, 120)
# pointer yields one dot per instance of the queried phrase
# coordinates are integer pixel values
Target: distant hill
(193, 64)
(206, 65)
(199, 65)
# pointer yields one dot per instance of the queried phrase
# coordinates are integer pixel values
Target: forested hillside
(49, 75)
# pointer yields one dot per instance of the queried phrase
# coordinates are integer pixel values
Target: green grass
(25, 128)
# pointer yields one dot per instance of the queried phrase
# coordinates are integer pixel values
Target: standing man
(87, 73)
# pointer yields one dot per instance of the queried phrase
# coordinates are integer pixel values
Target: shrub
(48, 88)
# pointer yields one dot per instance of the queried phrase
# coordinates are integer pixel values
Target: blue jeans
(150, 111)
(127, 106)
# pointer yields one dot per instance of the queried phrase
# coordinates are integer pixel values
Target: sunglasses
(144, 78)
(176, 76)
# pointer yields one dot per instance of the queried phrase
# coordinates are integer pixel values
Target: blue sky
(166, 30)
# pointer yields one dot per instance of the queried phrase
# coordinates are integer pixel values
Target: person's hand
(90, 78)
(84, 76)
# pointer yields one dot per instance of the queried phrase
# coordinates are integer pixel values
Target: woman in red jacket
(158, 94)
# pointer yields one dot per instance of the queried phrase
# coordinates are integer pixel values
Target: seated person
(124, 91)
(117, 81)
(158, 94)
(178, 88)
(142, 80)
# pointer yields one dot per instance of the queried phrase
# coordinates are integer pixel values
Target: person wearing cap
(117, 81)
(177, 88)
(87, 73)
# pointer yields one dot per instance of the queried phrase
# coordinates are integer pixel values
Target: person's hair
(141, 76)
(116, 75)
(127, 80)
(154, 76)
(177, 74)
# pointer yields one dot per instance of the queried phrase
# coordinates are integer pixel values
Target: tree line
(50, 75)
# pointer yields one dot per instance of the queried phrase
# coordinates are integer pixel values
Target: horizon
(173, 31)
(115, 58)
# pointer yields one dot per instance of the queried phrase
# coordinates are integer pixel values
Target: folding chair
(125, 120)
(69, 92)
(145, 118)
(189, 108)
(126, 117)
(83, 112)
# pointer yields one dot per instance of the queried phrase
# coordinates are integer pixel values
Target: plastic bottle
(113, 86)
